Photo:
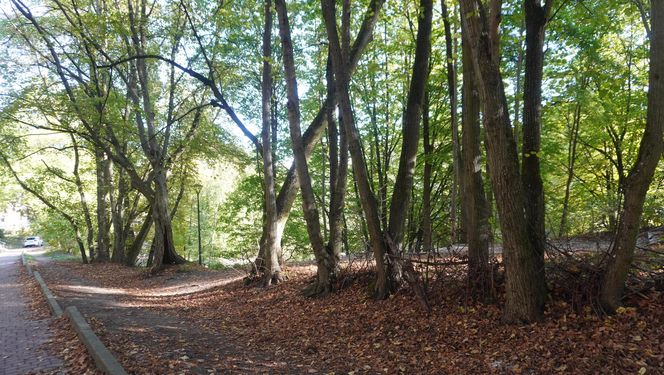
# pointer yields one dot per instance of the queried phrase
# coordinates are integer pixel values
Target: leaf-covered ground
(219, 325)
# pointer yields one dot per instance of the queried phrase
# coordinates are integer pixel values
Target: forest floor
(194, 320)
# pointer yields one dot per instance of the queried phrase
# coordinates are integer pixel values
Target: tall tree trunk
(272, 270)
(475, 205)
(379, 163)
(427, 237)
(118, 208)
(384, 285)
(571, 161)
(338, 169)
(640, 177)
(522, 300)
(536, 20)
(103, 223)
(452, 92)
(327, 265)
(517, 90)
(84, 202)
(289, 188)
(403, 184)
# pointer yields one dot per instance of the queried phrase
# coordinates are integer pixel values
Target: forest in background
(316, 131)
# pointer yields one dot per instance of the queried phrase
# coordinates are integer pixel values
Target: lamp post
(198, 188)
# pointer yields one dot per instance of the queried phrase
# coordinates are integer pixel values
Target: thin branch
(219, 101)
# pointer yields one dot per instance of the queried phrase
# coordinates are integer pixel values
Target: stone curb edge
(102, 356)
(50, 298)
(26, 264)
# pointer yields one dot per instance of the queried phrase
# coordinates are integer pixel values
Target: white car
(33, 242)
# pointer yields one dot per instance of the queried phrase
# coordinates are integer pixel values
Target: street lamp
(198, 187)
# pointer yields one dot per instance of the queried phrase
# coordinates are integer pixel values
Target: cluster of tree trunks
(516, 182)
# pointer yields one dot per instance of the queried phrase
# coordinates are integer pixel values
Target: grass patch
(61, 255)
(227, 267)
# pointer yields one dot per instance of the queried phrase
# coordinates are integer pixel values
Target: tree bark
(517, 90)
(571, 161)
(452, 92)
(103, 223)
(427, 235)
(383, 285)
(536, 20)
(125, 210)
(475, 205)
(84, 202)
(314, 132)
(326, 264)
(137, 245)
(164, 249)
(522, 301)
(338, 170)
(272, 269)
(403, 184)
(640, 176)
(117, 208)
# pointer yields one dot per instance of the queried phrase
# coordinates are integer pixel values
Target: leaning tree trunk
(290, 186)
(383, 285)
(475, 205)
(137, 245)
(69, 218)
(522, 279)
(326, 265)
(640, 177)
(536, 20)
(403, 184)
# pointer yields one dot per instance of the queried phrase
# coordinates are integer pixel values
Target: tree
(403, 184)
(474, 203)
(338, 149)
(641, 174)
(326, 262)
(340, 63)
(537, 17)
(452, 92)
(522, 279)
(272, 266)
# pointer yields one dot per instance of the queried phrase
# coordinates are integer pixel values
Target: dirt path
(125, 321)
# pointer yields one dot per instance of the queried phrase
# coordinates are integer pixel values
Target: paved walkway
(21, 338)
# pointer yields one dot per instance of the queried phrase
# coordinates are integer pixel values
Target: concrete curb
(26, 264)
(50, 298)
(102, 356)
